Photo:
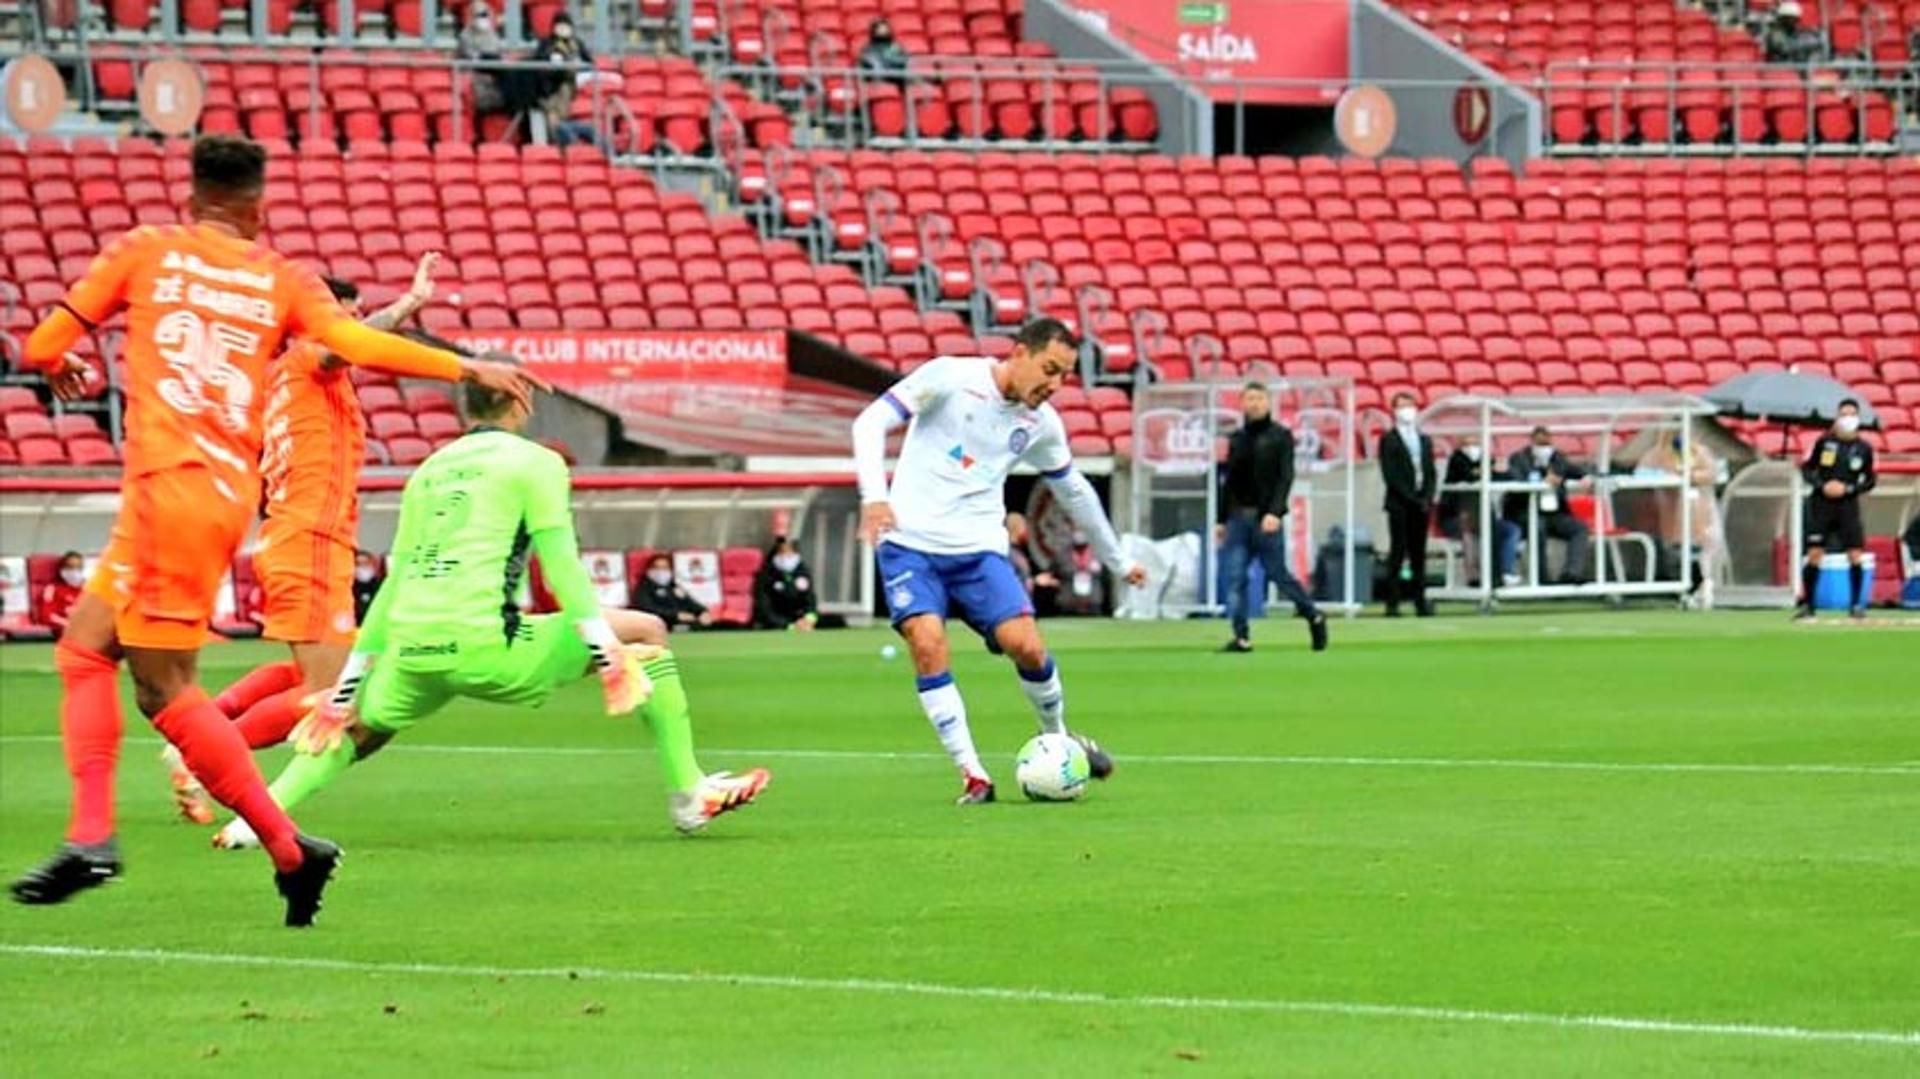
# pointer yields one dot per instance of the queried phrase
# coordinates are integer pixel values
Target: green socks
(305, 775)
(670, 717)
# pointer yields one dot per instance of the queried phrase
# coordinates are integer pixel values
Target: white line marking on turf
(1518, 764)
(1348, 1009)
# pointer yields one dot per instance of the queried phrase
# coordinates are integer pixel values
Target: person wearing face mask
(1542, 463)
(783, 596)
(659, 595)
(562, 47)
(1787, 41)
(480, 40)
(883, 56)
(366, 583)
(1407, 467)
(1082, 586)
(1839, 469)
(61, 593)
(1459, 513)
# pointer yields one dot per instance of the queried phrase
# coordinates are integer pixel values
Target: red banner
(1222, 43)
(574, 358)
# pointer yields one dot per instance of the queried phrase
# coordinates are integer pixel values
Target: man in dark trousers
(1840, 470)
(1255, 486)
(1406, 464)
(1543, 463)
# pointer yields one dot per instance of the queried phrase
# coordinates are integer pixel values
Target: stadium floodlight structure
(1179, 444)
(1505, 423)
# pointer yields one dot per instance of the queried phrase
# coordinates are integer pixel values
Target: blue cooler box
(1834, 592)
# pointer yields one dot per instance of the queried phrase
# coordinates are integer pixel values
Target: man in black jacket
(1406, 464)
(1839, 469)
(1255, 486)
(1543, 463)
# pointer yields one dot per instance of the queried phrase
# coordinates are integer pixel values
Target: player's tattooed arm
(416, 297)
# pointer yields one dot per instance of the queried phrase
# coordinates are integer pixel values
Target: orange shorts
(169, 551)
(307, 580)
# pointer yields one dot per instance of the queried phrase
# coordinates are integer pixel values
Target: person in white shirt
(939, 529)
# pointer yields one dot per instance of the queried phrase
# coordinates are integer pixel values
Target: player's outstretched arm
(410, 303)
(1082, 503)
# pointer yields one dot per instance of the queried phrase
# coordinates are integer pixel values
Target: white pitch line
(1348, 1009)
(1516, 764)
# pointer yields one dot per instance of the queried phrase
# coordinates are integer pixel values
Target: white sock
(1043, 691)
(940, 699)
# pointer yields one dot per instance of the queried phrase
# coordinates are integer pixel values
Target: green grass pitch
(1606, 843)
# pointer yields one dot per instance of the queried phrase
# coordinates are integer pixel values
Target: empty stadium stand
(1609, 275)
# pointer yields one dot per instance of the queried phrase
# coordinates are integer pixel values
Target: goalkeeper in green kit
(444, 626)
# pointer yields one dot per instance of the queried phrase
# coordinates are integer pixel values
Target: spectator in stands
(1255, 486)
(1042, 587)
(563, 49)
(661, 596)
(1407, 467)
(1543, 464)
(1913, 539)
(366, 582)
(61, 593)
(1789, 42)
(1459, 513)
(882, 56)
(783, 596)
(480, 40)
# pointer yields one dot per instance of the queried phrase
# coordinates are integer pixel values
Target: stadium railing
(1698, 107)
(444, 100)
(624, 510)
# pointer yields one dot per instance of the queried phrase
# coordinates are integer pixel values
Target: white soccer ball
(1052, 768)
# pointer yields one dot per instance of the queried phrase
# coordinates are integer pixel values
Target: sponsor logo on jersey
(960, 456)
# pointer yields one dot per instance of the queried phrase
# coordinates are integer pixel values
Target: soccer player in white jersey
(940, 529)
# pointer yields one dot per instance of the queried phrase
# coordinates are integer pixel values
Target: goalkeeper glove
(623, 679)
(324, 726)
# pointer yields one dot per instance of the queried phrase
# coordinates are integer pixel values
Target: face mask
(74, 577)
(1405, 415)
(1847, 425)
(483, 17)
(1472, 452)
(1543, 454)
(363, 574)
(563, 32)
(786, 563)
(661, 577)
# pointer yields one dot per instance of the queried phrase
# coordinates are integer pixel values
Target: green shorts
(545, 654)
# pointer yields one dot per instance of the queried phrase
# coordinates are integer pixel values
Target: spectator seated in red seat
(658, 594)
(59, 595)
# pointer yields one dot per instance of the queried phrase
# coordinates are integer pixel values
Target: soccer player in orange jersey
(315, 442)
(207, 307)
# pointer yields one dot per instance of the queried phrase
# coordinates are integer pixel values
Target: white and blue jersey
(948, 551)
(963, 438)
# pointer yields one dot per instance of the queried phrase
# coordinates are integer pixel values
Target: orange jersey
(206, 312)
(315, 442)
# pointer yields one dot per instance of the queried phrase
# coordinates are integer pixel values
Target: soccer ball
(1052, 768)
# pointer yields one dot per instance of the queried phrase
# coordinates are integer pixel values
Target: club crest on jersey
(1018, 440)
(960, 456)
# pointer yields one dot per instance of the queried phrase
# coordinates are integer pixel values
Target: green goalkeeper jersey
(468, 518)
